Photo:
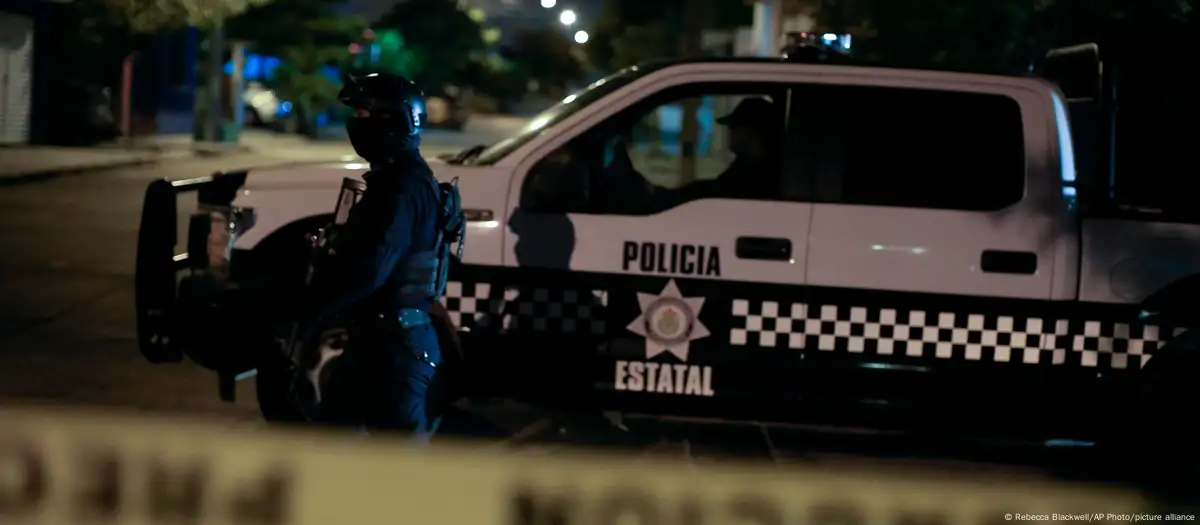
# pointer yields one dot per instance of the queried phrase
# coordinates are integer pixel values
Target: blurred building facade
(773, 19)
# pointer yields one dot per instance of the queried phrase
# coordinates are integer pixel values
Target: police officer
(389, 268)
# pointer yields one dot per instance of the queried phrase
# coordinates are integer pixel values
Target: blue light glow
(1066, 149)
(256, 67)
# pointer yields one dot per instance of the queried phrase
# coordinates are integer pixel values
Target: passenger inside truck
(633, 164)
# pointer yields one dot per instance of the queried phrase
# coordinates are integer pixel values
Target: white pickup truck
(927, 250)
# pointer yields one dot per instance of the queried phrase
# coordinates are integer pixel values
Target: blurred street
(67, 246)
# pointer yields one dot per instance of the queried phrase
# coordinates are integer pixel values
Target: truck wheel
(279, 254)
(454, 381)
(273, 385)
(281, 393)
(277, 396)
(1165, 439)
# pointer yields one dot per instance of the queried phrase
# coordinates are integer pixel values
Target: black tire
(273, 382)
(273, 386)
(1160, 446)
(279, 259)
(281, 393)
(454, 381)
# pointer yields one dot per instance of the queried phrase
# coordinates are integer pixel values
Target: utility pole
(216, 71)
(236, 86)
(692, 46)
(127, 100)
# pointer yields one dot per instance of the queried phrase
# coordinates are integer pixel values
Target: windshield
(556, 113)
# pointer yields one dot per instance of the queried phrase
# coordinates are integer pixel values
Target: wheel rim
(330, 345)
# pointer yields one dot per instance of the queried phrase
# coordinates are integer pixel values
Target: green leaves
(632, 31)
(442, 38)
(285, 24)
(993, 36)
(149, 16)
(547, 55)
(307, 36)
(639, 43)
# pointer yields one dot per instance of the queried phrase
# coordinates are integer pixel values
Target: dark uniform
(389, 268)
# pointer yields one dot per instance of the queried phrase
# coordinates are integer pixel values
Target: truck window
(695, 142)
(923, 148)
(558, 112)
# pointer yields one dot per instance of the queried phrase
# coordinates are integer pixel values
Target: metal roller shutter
(16, 77)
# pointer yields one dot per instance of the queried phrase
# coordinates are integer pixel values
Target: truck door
(931, 254)
(637, 234)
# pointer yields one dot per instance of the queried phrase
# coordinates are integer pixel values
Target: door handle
(764, 248)
(1001, 261)
(478, 215)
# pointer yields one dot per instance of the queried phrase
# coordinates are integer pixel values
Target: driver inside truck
(754, 142)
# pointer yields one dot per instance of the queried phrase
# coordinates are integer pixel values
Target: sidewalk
(280, 146)
(20, 164)
(480, 129)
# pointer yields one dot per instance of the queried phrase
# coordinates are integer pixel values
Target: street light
(548, 3)
(567, 17)
(581, 37)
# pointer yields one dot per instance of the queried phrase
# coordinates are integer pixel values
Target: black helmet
(385, 94)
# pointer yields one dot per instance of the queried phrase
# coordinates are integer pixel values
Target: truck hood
(330, 174)
(282, 195)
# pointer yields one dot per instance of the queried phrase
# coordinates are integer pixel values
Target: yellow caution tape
(64, 467)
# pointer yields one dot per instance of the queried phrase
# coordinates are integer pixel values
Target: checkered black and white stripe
(481, 306)
(1123, 343)
(937, 334)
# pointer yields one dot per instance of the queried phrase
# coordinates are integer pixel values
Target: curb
(42, 176)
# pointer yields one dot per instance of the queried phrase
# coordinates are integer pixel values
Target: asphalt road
(67, 330)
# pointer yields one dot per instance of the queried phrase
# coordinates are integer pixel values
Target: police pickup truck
(918, 250)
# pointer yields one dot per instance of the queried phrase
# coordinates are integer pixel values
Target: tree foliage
(993, 36)
(546, 55)
(281, 25)
(301, 73)
(149, 16)
(307, 36)
(91, 39)
(632, 31)
(390, 55)
(443, 38)
(944, 34)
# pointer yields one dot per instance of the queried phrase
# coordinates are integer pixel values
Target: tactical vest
(422, 275)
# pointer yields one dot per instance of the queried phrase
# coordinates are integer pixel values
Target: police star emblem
(669, 321)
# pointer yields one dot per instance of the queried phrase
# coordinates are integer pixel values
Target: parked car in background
(447, 108)
(263, 107)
